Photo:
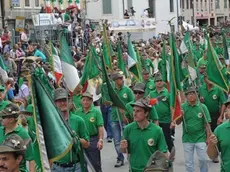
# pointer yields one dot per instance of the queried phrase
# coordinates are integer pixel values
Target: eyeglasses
(159, 81)
(138, 92)
(191, 93)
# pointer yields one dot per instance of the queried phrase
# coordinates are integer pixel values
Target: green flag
(134, 67)
(225, 46)
(163, 64)
(114, 98)
(175, 81)
(53, 138)
(3, 70)
(214, 68)
(120, 61)
(91, 67)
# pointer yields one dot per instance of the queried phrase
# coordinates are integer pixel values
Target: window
(152, 5)
(27, 3)
(36, 4)
(225, 3)
(201, 5)
(211, 5)
(205, 5)
(187, 4)
(130, 4)
(217, 4)
(182, 4)
(171, 5)
(107, 7)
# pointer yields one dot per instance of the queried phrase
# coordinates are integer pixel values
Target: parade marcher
(163, 109)
(147, 64)
(94, 123)
(139, 91)
(214, 98)
(149, 83)
(12, 152)
(70, 162)
(220, 138)
(126, 96)
(141, 137)
(195, 117)
(106, 109)
(10, 126)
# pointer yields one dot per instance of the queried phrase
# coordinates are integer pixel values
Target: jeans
(107, 117)
(189, 156)
(116, 129)
(56, 168)
(94, 154)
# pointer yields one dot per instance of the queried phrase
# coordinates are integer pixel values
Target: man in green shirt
(149, 83)
(139, 91)
(196, 119)
(10, 126)
(95, 125)
(147, 64)
(221, 139)
(198, 52)
(70, 161)
(214, 98)
(163, 109)
(12, 151)
(118, 115)
(141, 137)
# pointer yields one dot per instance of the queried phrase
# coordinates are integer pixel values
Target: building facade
(205, 12)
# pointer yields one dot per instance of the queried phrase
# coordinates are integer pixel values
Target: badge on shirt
(151, 142)
(200, 115)
(125, 95)
(214, 97)
(164, 99)
(92, 119)
(150, 87)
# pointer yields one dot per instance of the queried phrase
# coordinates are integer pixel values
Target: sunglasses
(138, 92)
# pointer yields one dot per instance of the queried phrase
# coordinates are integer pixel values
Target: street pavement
(109, 157)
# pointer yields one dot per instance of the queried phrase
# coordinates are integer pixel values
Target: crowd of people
(140, 130)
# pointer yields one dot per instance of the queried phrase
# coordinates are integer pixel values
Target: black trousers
(167, 133)
(94, 154)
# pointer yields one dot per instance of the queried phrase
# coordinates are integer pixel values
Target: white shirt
(23, 91)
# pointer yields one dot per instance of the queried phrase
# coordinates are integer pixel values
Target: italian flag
(69, 70)
(57, 65)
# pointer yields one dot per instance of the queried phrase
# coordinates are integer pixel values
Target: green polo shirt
(142, 143)
(153, 116)
(194, 123)
(222, 134)
(78, 126)
(213, 98)
(20, 131)
(93, 119)
(163, 106)
(126, 95)
(77, 101)
(149, 86)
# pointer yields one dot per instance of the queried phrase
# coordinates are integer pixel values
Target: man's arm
(32, 166)
(101, 136)
(212, 144)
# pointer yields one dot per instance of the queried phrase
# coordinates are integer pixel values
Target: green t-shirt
(78, 126)
(153, 116)
(194, 123)
(143, 143)
(126, 95)
(149, 86)
(93, 119)
(148, 65)
(20, 131)
(163, 107)
(222, 134)
(213, 98)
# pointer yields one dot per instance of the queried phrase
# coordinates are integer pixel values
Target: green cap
(60, 93)
(28, 111)
(11, 111)
(13, 143)
(87, 94)
(158, 78)
(190, 89)
(139, 87)
(144, 103)
(117, 76)
(144, 71)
